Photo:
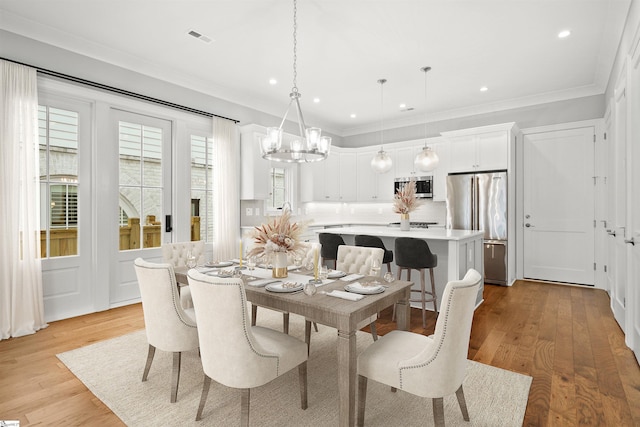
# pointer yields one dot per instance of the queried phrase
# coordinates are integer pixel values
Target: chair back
(414, 253)
(374, 242)
(357, 259)
(440, 369)
(330, 243)
(168, 326)
(176, 253)
(230, 354)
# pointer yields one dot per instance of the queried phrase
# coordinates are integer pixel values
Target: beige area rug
(112, 370)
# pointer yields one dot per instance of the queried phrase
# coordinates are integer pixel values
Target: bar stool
(414, 254)
(375, 242)
(329, 247)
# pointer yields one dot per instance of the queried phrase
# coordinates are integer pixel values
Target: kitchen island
(457, 251)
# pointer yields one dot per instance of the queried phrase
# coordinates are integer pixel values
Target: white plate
(334, 274)
(219, 264)
(277, 287)
(364, 290)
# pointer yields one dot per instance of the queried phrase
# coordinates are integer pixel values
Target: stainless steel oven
(424, 186)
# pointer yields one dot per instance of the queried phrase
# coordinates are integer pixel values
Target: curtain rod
(119, 91)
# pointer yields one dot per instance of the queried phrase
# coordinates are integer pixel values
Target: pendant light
(382, 162)
(311, 146)
(426, 160)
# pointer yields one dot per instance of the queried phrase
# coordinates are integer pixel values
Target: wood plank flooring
(565, 337)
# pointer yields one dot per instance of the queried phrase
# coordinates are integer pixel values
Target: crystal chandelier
(382, 162)
(426, 160)
(310, 145)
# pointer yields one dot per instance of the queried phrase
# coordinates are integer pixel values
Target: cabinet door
(326, 184)
(463, 153)
(492, 150)
(441, 172)
(366, 191)
(384, 181)
(405, 156)
(347, 177)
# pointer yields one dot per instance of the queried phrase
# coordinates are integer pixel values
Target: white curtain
(21, 301)
(226, 190)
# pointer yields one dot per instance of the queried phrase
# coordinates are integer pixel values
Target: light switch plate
(249, 212)
(257, 211)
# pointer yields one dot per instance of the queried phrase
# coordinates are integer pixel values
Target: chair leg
(147, 366)
(463, 403)
(438, 412)
(302, 378)
(254, 314)
(245, 395)
(423, 298)
(362, 399)
(203, 396)
(433, 291)
(307, 335)
(315, 326)
(175, 376)
(285, 323)
(374, 331)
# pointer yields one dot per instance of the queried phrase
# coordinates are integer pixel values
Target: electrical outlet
(249, 212)
(257, 211)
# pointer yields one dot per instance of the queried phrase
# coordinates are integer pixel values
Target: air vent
(199, 36)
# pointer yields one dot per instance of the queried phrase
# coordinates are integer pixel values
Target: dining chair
(168, 325)
(355, 260)
(329, 247)
(433, 366)
(375, 242)
(176, 254)
(237, 355)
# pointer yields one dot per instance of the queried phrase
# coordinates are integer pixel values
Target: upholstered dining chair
(355, 260)
(176, 254)
(329, 247)
(169, 327)
(237, 355)
(431, 367)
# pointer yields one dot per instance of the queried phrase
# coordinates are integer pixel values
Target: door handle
(167, 222)
(631, 241)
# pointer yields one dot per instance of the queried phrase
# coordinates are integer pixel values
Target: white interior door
(559, 206)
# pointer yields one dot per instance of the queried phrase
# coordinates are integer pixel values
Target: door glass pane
(278, 188)
(59, 140)
(141, 190)
(201, 188)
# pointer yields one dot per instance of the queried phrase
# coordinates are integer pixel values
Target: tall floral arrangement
(405, 199)
(278, 235)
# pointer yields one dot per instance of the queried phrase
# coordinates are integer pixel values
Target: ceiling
(344, 48)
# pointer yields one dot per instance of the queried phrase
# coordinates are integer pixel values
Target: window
(278, 188)
(201, 188)
(59, 138)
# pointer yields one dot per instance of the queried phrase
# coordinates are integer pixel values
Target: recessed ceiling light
(484, 89)
(273, 81)
(563, 34)
(199, 36)
(316, 100)
(403, 105)
(353, 116)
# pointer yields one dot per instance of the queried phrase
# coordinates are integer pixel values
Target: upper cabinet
(405, 156)
(254, 177)
(440, 173)
(372, 186)
(481, 149)
(330, 180)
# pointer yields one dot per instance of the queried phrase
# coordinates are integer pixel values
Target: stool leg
(423, 284)
(433, 290)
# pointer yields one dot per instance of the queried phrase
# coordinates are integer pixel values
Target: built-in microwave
(424, 186)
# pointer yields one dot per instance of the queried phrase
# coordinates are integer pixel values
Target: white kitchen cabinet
(372, 186)
(405, 156)
(441, 172)
(348, 176)
(254, 177)
(334, 179)
(480, 149)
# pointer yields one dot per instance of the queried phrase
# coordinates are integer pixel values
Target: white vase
(405, 224)
(280, 263)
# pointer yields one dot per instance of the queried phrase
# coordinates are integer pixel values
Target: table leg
(403, 311)
(347, 364)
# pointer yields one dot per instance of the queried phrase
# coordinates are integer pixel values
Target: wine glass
(251, 262)
(191, 260)
(375, 271)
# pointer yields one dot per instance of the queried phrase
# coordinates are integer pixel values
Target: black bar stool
(329, 249)
(414, 254)
(375, 242)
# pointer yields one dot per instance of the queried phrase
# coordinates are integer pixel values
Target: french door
(143, 144)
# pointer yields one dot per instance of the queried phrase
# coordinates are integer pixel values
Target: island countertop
(418, 233)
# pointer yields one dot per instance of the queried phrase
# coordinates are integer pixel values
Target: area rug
(112, 370)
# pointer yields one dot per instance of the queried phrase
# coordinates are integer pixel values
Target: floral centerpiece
(405, 202)
(279, 238)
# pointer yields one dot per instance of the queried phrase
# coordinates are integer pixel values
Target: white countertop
(418, 233)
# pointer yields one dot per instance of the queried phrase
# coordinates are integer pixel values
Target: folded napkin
(352, 277)
(357, 286)
(345, 295)
(262, 282)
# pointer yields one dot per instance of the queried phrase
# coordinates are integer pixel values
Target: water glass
(251, 263)
(324, 272)
(375, 268)
(191, 260)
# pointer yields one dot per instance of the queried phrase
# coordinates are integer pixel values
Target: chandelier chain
(295, 43)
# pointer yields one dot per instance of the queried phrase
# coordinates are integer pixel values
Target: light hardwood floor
(564, 337)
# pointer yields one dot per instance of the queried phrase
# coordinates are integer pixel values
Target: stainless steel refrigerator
(478, 201)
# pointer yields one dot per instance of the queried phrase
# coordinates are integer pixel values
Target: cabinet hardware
(611, 233)
(631, 241)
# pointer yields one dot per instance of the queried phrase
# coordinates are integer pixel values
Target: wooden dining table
(342, 314)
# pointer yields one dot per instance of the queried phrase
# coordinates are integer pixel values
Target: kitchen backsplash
(347, 213)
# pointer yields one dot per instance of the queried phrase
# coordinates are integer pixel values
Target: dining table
(342, 314)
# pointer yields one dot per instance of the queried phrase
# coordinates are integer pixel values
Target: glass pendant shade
(382, 162)
(426, 160)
